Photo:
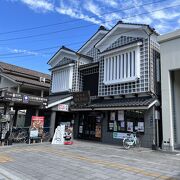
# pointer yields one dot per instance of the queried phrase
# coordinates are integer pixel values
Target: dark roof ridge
(100, 28)
(68, 49)
(62, 47)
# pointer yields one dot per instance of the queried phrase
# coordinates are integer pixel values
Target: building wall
(146, 70)
(176, 100)
(6, 83)
(146, 139)
(170, 60)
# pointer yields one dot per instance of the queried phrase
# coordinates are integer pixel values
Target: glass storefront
(126, 121)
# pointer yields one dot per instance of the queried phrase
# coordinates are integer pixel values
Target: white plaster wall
(177, 104)
(170, 60)
(6, 83)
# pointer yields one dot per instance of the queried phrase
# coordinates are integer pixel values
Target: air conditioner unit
(42, 79)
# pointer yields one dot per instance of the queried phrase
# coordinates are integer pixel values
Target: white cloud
(93, 8)
(22, 51)
(42, 5)
(112, 3)
(77, 14)
(165, 15)
(96, 11)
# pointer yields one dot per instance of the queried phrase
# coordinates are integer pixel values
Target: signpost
(23, 98)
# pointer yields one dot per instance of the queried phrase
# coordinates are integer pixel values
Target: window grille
(62, 80)
(122, 67)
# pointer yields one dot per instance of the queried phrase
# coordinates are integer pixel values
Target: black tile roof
(63, 47)
(122, 102)
(54, 98)
(138, 24)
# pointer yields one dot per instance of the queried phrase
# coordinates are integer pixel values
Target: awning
(55, 100)
(118, 104)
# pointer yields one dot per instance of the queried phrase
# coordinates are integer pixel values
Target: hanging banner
(58, 137)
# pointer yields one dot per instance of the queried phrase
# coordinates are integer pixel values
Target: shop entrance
(90, 126)
(63, 118)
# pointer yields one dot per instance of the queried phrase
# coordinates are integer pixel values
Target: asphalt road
(85, 161)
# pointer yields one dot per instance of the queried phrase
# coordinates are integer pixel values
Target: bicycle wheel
(126, 144)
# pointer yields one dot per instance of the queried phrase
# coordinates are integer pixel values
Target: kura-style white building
(121, 70)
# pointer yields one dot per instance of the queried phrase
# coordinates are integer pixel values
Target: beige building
(170, 78)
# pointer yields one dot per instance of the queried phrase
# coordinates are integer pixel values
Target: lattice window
(141, 85)
(122, 67)
(62, 79)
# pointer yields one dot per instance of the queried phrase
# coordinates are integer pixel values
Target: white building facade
(120, 69)
(170, 73)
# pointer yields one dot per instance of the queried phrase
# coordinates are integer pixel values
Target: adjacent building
(170, 73)
(110, 86)
(23, 93)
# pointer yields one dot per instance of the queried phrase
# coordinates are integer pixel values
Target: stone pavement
(85, 161)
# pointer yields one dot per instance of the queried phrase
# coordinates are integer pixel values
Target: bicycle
(18, 135)
(131, 141)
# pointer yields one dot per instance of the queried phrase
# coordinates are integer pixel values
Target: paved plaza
(86, 160)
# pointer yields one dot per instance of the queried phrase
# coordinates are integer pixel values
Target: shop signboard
(63, 107)
(81, 97)
(34, 133)
(23, 98)
(58, 137)
(118, 135)
(37, 123)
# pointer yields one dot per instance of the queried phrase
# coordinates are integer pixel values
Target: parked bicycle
(19, 135)
(131, 141)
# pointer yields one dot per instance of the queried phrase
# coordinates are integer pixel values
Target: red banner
(37, 122)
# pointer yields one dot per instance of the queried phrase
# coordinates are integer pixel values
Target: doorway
(90, 126)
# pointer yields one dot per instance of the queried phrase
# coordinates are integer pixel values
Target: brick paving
(86, 161)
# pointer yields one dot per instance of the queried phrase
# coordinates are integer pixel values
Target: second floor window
(122, 67)
(62, 80)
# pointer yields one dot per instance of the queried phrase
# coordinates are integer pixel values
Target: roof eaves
(92, 37)
(61, 48)
(121, 22)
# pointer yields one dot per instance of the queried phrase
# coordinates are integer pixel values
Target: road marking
(107, 164)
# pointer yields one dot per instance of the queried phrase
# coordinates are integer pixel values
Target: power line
(57, 46)
(55, 24)
(37, 50)
(49, 48)
(85, 26)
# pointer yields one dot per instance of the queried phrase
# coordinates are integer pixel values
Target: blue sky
(31, 31)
